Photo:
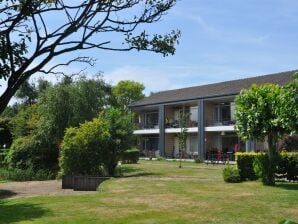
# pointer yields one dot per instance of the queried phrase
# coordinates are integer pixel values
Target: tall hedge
(255, 165)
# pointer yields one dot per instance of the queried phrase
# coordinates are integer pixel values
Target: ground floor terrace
(220, 145)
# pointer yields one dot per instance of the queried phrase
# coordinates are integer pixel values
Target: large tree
(259, 112)
(29, 41)
(126, 92)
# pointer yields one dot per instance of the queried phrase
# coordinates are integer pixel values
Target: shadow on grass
(287, 186)
(135, 172)
(7, 194)
(11, 213)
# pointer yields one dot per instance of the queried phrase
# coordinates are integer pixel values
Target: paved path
(36, 188)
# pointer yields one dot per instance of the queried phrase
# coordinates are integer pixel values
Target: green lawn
(160, 192)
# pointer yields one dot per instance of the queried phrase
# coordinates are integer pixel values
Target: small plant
(231, 174)
(198, 160)
(160, 158)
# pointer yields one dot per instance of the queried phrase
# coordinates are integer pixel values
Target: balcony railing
(212, 123)
(176, 124)
(142, 126)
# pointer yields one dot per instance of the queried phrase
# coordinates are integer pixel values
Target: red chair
(220, 155)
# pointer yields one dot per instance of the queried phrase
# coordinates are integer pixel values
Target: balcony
(142, 126)
(223, 122)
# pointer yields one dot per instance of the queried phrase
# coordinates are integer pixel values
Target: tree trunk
(270, 172)
(6, 97)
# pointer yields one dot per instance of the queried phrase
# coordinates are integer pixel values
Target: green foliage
(255, 165)
(287, 166)
(25, 175)
(126, 92)
(182, 135)
(5, 133)
(245, 165)
(25, 122)
(30, 152)
(19, 61)
(28, 93)
(100, 142)
(82, 148)
(256, 109)
(267, 111)
(261, 165)
(120, 128)
(231, 174)
(288, 110)
(69, 104)
(131, 156)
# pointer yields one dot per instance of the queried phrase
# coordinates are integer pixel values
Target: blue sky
(221, 40)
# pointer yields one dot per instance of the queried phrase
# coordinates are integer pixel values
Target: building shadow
(12, 212)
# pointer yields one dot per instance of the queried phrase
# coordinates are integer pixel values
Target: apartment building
(210, 119)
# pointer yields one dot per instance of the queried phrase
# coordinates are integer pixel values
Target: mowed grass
(159, 192)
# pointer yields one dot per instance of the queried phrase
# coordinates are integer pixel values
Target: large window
(151, 119)
(224, 112)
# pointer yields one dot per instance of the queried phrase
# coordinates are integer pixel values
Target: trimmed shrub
(231, 174)
(131, 156)
(255, 165)
(287, 166)
(245, 165)
(261, 167)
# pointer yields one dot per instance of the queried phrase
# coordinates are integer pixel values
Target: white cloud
(153, 79)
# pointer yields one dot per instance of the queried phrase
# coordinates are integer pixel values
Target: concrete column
(161, 123)
(201, 130)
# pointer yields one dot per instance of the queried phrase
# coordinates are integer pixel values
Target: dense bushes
(25, 175)
(95, 144)
(31, 152)
(231, 175)
(245, 165)
(130, 156)
(287, 166)
(255, 165)
(82, 147)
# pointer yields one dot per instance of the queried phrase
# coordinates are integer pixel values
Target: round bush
(81, 148)
(231, 175)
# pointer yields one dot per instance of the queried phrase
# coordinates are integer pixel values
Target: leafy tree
(25, 122)
(288, 110)
(30, 41)
(126, 92)
(257, 118)
(120, 127)
(28, 93)
(69, 104)
(182, 135)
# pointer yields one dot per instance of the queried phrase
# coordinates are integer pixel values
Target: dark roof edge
(186, 100)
